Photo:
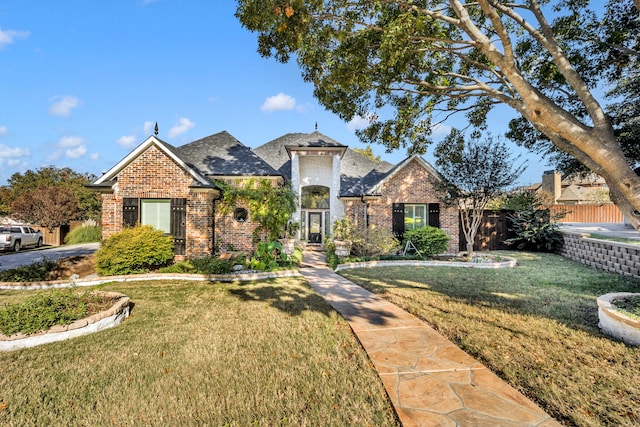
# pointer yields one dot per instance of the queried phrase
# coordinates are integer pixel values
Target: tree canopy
(474, 171)
(409, 65)
(22, 185)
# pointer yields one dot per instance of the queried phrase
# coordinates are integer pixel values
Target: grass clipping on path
(536, 325)
(271, 353)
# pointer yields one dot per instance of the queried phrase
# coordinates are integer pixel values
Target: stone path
(430, 381)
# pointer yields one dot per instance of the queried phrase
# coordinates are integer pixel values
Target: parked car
(15, 237)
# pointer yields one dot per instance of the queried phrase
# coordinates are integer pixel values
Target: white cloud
(279, 102)
(71, 141)
(440, 130)
(74, 146)
(77, 152)
(62, 105)
(359, 122)
(94, 156)
(13, 152)
(127, 141)
(148, 127)
(9, 36)
(181, 127)
(3, 131)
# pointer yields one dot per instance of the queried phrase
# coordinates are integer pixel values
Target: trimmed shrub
(430, 241)
(214, 265)
(85, 234)
(134, 250)
(179, 267)
(36, 272)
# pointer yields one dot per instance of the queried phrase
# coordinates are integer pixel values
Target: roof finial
(316, 126)
(155, 130)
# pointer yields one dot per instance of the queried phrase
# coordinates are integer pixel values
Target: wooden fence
(494, 229)
(588, 213)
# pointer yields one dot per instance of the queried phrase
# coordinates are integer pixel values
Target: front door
(315, 227)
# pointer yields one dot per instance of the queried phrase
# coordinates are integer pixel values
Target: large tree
(474, 171)
(48, 207)
(424, 60)
(87, 201)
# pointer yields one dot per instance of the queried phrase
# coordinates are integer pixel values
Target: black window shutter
(397, 220)
(129, 212)
(179, 225)
(434, 214)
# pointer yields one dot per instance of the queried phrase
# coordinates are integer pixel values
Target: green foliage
(88, 202)
(332, 259)
(535, 230)
(134, 250)
(84, 234)
(36, 272)
(343, 229)
(373, 242)
(428, 240)
(270, 206)
(214, 265)
(179, 267)
(42, 311)
(267, 256)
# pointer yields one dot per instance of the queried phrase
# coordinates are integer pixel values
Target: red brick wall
(155, 175)
(411, 184)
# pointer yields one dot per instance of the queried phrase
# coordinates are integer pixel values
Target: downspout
(366, 211)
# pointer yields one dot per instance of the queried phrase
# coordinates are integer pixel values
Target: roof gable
(165, 147)
(377, 186)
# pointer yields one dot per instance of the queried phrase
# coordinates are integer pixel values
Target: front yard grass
(536, 325)
(270, 354)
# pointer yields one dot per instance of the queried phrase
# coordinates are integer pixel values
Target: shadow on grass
(294, 301)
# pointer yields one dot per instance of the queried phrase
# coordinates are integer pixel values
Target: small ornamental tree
(48, 207)
(473, 173)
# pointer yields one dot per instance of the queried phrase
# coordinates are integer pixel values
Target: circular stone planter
(94, 323)
(614, 322)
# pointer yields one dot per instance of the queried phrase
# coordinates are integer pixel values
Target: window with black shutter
(397, 220)
(434, 214)
(179, 225)
(129, 212)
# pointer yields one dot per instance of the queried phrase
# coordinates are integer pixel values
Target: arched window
(315, 197)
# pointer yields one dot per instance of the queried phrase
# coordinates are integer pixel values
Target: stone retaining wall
(605, 255)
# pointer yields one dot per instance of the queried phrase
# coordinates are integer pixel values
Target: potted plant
(342, 236)
(290, 235)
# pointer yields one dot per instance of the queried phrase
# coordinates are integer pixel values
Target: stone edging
(237, 277)
(615, 323)
(508, 263)
(94, 323)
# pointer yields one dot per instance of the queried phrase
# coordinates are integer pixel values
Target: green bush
(134, 250)
(36, 272)
(179, 267)
(42, 311)
(214, 265)
(535, 230)
(85, 234)
(373, 242)
(428, 240)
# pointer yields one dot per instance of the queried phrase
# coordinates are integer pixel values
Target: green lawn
(536, 325)
(192, 353)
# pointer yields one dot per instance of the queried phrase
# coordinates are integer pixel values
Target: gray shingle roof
(358, 172)
(223, 155)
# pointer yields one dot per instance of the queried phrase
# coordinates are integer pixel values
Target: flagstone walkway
(430, 381)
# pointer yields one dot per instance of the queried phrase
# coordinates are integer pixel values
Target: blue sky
(83, 82)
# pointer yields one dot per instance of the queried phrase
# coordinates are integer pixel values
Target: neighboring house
(174, 189)
(574, 189)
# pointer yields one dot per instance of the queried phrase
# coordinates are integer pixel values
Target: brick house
(174, 189)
